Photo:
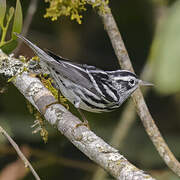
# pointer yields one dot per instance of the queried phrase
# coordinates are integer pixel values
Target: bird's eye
(132, 82)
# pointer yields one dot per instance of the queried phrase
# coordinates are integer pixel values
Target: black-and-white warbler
(88, 87)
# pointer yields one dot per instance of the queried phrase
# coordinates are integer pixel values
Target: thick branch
(84, 139)
(141, 107)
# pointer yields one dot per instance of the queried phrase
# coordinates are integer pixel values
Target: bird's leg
(85, 121)
(47, 106)
(82, 115)
(59, 96)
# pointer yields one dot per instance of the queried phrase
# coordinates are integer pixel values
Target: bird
(85, 86)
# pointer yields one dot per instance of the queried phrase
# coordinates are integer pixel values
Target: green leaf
(4, 30)
(10, 14)
(9, 46)
(18, 20)
(2, 11)
(167, 54)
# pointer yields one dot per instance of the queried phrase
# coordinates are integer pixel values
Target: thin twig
(141, 107)
(15, 170)
(21, 155)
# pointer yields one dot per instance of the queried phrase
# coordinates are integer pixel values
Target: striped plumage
(88, 87)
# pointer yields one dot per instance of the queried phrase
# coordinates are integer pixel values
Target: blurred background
(151, 33)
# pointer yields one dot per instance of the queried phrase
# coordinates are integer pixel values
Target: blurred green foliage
(5, 18)
(167, 56)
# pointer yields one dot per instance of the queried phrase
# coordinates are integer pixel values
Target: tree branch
(141, 107)
(84, 139)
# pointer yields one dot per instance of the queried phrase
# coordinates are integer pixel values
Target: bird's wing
(71, 71)
(74, 72)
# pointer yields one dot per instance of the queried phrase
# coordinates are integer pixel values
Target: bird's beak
(144, 83)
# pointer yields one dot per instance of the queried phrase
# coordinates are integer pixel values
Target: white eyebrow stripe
(124, 78)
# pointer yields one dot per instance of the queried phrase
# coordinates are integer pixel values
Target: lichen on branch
(72, 8)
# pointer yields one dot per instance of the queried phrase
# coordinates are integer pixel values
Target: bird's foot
(47, 106)
(83, 124)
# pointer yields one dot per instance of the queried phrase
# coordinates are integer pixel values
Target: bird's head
(126, 82)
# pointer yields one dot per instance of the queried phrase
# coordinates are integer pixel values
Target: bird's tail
(39, 52)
